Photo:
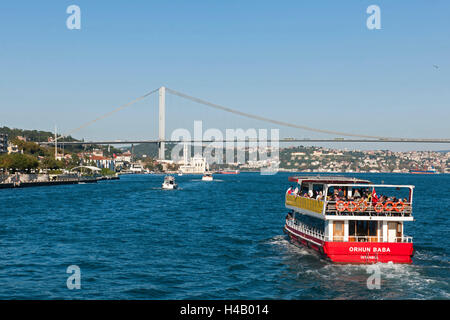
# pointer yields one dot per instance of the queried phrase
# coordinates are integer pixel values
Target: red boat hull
(368, 252)
(355, 252)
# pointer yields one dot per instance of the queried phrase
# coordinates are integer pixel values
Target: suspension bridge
(162, 141)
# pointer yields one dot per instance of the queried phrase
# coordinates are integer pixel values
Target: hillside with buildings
(333, 160)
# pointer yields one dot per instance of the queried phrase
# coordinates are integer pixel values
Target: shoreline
(67, 181)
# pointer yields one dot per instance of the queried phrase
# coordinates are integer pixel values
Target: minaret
(185, 154)
(56, 144)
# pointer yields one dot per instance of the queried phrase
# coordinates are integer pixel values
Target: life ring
(353, 206)
(362, 205)
(396, 208)
(341, 206)
(389, 206)
(379, 207)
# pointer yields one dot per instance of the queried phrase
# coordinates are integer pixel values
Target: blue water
(209, 240)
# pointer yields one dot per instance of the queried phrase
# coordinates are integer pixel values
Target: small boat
(180, 173)
(207, 176)
(169, 183)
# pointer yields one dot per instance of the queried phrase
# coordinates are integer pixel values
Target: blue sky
(308, 62)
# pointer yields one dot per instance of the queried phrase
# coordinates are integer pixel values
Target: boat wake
(281, 241)
(350, 281)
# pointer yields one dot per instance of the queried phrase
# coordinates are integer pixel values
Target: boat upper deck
(337, 197)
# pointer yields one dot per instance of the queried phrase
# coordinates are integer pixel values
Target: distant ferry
(343, 219)
(229, 172)
(431, 171)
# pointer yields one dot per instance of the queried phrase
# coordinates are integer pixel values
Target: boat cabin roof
(341, 181)
(328, 180)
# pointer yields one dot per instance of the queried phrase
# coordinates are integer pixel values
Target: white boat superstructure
(207, 176)
(169, 183)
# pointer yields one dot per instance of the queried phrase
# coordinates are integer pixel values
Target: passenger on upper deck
(319, 196)
(289, 191)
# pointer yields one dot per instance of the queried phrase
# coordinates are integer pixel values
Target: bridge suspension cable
(277, 122)
(109, 113)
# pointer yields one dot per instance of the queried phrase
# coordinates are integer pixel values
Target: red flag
(374, 196)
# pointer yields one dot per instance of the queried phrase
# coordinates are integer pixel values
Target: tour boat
(169, 183)
(347, 220)
(207, 176)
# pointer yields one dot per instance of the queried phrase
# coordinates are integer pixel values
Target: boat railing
(295, 224)
(362, 208)
(305, 203)
(403, 239)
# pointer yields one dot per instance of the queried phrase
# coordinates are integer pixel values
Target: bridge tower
(162, 122)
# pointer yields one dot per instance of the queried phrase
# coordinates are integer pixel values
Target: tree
(107, 172)
(173, 167)
(18, 162)
(50, 163)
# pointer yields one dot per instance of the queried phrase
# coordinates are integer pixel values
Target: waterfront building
(137, 167)
(61, 156)
(197, 165)
(103, 162)
(97, 152)
(124, 157)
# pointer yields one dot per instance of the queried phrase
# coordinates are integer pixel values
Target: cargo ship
(345, 221)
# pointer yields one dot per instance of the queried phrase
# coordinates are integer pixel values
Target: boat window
(317, 188)
(330, 191)
(362, 228)
(373, 228)
(304, 189)
(352, 228)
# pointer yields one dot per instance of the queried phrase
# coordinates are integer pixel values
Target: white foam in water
(283, 242)
(420, 255)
